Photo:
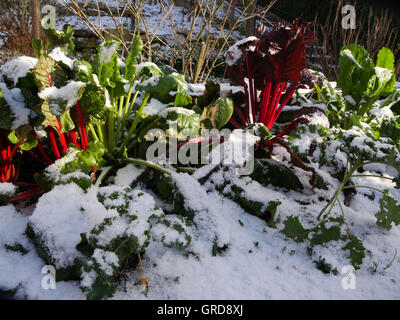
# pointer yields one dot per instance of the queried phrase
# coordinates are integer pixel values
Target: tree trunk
(250, 23)
(35, 12)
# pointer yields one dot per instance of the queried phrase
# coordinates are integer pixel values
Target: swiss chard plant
(270, 66)
(361, 83)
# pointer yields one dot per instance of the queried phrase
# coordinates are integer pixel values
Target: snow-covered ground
(176, 20)
(260, 263)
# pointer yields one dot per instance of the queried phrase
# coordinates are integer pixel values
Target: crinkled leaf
(148, 70)
(6, 117)
(167, 88)
(37, 45)
(389, 212)
(273, 172)
(130, 68)
(294, 229)
(87, 159)
(48, 73)
(62, 99)
(82, 71)
(93, 103)
(182, 120)
(324, 235)
(67, 124)
(62, 39)
(106, 66)
(357, 251)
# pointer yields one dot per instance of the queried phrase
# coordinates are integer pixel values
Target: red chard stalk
(270, 66)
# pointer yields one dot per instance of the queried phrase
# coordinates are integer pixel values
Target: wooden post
(232, 15)
(35, 14)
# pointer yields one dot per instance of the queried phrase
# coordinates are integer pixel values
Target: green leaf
(211, 94)
(62, 99)
(353, 60)
(82, 71)
(218, 114)
(324, 235)
(67, 124)
(134, 53)
(24, 133)
(183, 120)
(86, 159)
(12, 107)
(294, 229)
(62, 39)
(48, 73)
(270, 171)
(161, 87)
(93, 104)
(106, 66)
(357, 251)
(148, 70)
(389, 212)
(37, 45)
(385, 59)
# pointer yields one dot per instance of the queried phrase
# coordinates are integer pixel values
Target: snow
(142, 65)
(106, 52)
(18, 68)
(25, 270)
(7, 188)
(154, 107)
(126, 175)
(234, 53)
(16, 102)
(68, 94)
(61, 226)
(105, 260)
(58, 55)
(164, 113)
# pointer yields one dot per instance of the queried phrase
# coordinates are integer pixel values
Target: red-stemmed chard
(270, 66)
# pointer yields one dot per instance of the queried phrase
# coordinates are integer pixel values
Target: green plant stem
(370, 175)
(129, 110)
(103, 174)
(368, 187)
(136, 120)
(91, 128)
(119, 118)
(111, 130)
(100, 133)
(128, 107)
(147, 164)
(103, 129)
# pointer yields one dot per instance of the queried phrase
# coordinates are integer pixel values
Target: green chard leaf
(48, 73)
(106, 66)
(164, 86)
(23, 133)
(87, 159)
(134, 53)
(385, 59)
(218, 114)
